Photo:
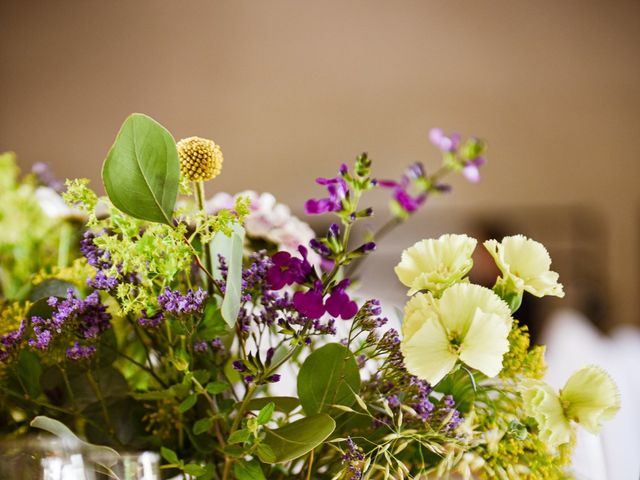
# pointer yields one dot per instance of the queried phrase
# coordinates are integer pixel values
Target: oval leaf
(231, 249)
(142, 171)
(282, 404)
(108, 456)
(298, 438)
(329, 376)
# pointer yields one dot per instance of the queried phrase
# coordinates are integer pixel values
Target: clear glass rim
(49, 444)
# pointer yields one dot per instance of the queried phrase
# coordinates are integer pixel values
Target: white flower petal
(458, 306)
(485, 343)
(427, 353)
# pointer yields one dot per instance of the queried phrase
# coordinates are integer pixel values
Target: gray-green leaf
(329, 376)
(232, 249)
(142, 170)
(107, 456)
(298, 438)
(244, 470)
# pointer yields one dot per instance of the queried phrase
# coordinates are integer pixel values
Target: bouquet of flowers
(226, 335)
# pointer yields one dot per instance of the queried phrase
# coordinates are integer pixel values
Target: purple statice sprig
(73, 319)
(176, 303)
(11, 341)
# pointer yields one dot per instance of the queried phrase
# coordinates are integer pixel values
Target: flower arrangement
(154, 318)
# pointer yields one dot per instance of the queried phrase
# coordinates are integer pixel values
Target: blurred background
(290, 89)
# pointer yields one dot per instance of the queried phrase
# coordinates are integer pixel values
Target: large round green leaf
(297, 438)
(142, 171)
(329, 376)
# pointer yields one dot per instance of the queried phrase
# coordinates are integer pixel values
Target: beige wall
(290, 88)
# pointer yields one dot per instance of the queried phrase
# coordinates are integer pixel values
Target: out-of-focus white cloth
(572, 342)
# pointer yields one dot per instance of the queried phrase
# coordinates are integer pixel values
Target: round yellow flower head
(436, 264)
(526, 264)
(469, 323)
(200, 159)
(589, 397)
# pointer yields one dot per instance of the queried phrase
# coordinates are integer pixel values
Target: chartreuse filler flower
(160, 325)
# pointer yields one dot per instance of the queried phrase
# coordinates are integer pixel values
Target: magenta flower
(310, 303)
(412, 179)
(339, 304)
(287, 270)
(337, 189)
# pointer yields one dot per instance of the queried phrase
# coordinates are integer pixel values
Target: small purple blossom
(239, 366)
(10, 340)
(354, 459)
(102, 282)
(151, 321)
(445, 143)
(471, 169)
(200, 346)
(412, 179)
(80, 352)
(274, 378)
(96, 257)
(176, 303)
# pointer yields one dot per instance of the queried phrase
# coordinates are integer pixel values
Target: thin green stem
(198, 189)
(103, 404)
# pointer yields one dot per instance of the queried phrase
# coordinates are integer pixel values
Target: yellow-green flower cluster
(200, 159)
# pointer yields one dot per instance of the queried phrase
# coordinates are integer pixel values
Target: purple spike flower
(337, 189)
(176, 303)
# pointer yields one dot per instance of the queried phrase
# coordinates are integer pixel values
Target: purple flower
(10, 340)
(337, 189)
(96, 257)
(274, 378)
(287, 270)
(102, 282)
(471, 169)
(310, 303)
(151, 321)
(443, 142)
(239, 366)
(339, 304)
(176, 303)
(200, 346)
(412, 179)
(80, 352)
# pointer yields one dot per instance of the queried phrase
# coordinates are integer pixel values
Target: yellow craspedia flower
(469, 323)
(200, 159)
(436, 264)
(589, 397)
(525, 263)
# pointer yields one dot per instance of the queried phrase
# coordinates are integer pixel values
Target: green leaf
(458, 384)
(239, 436)
(169, 455)
(265, 453)
(248, 470)
(142, 170)
(188, 403)
(193, 469)
(282, 404)
(202, 425)
(298, 438)
(265, 413)
(107, 455)
(232, 249)
(51, 287)
(329, 376)
(215, 388)
(212, 325)
(29, 371)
